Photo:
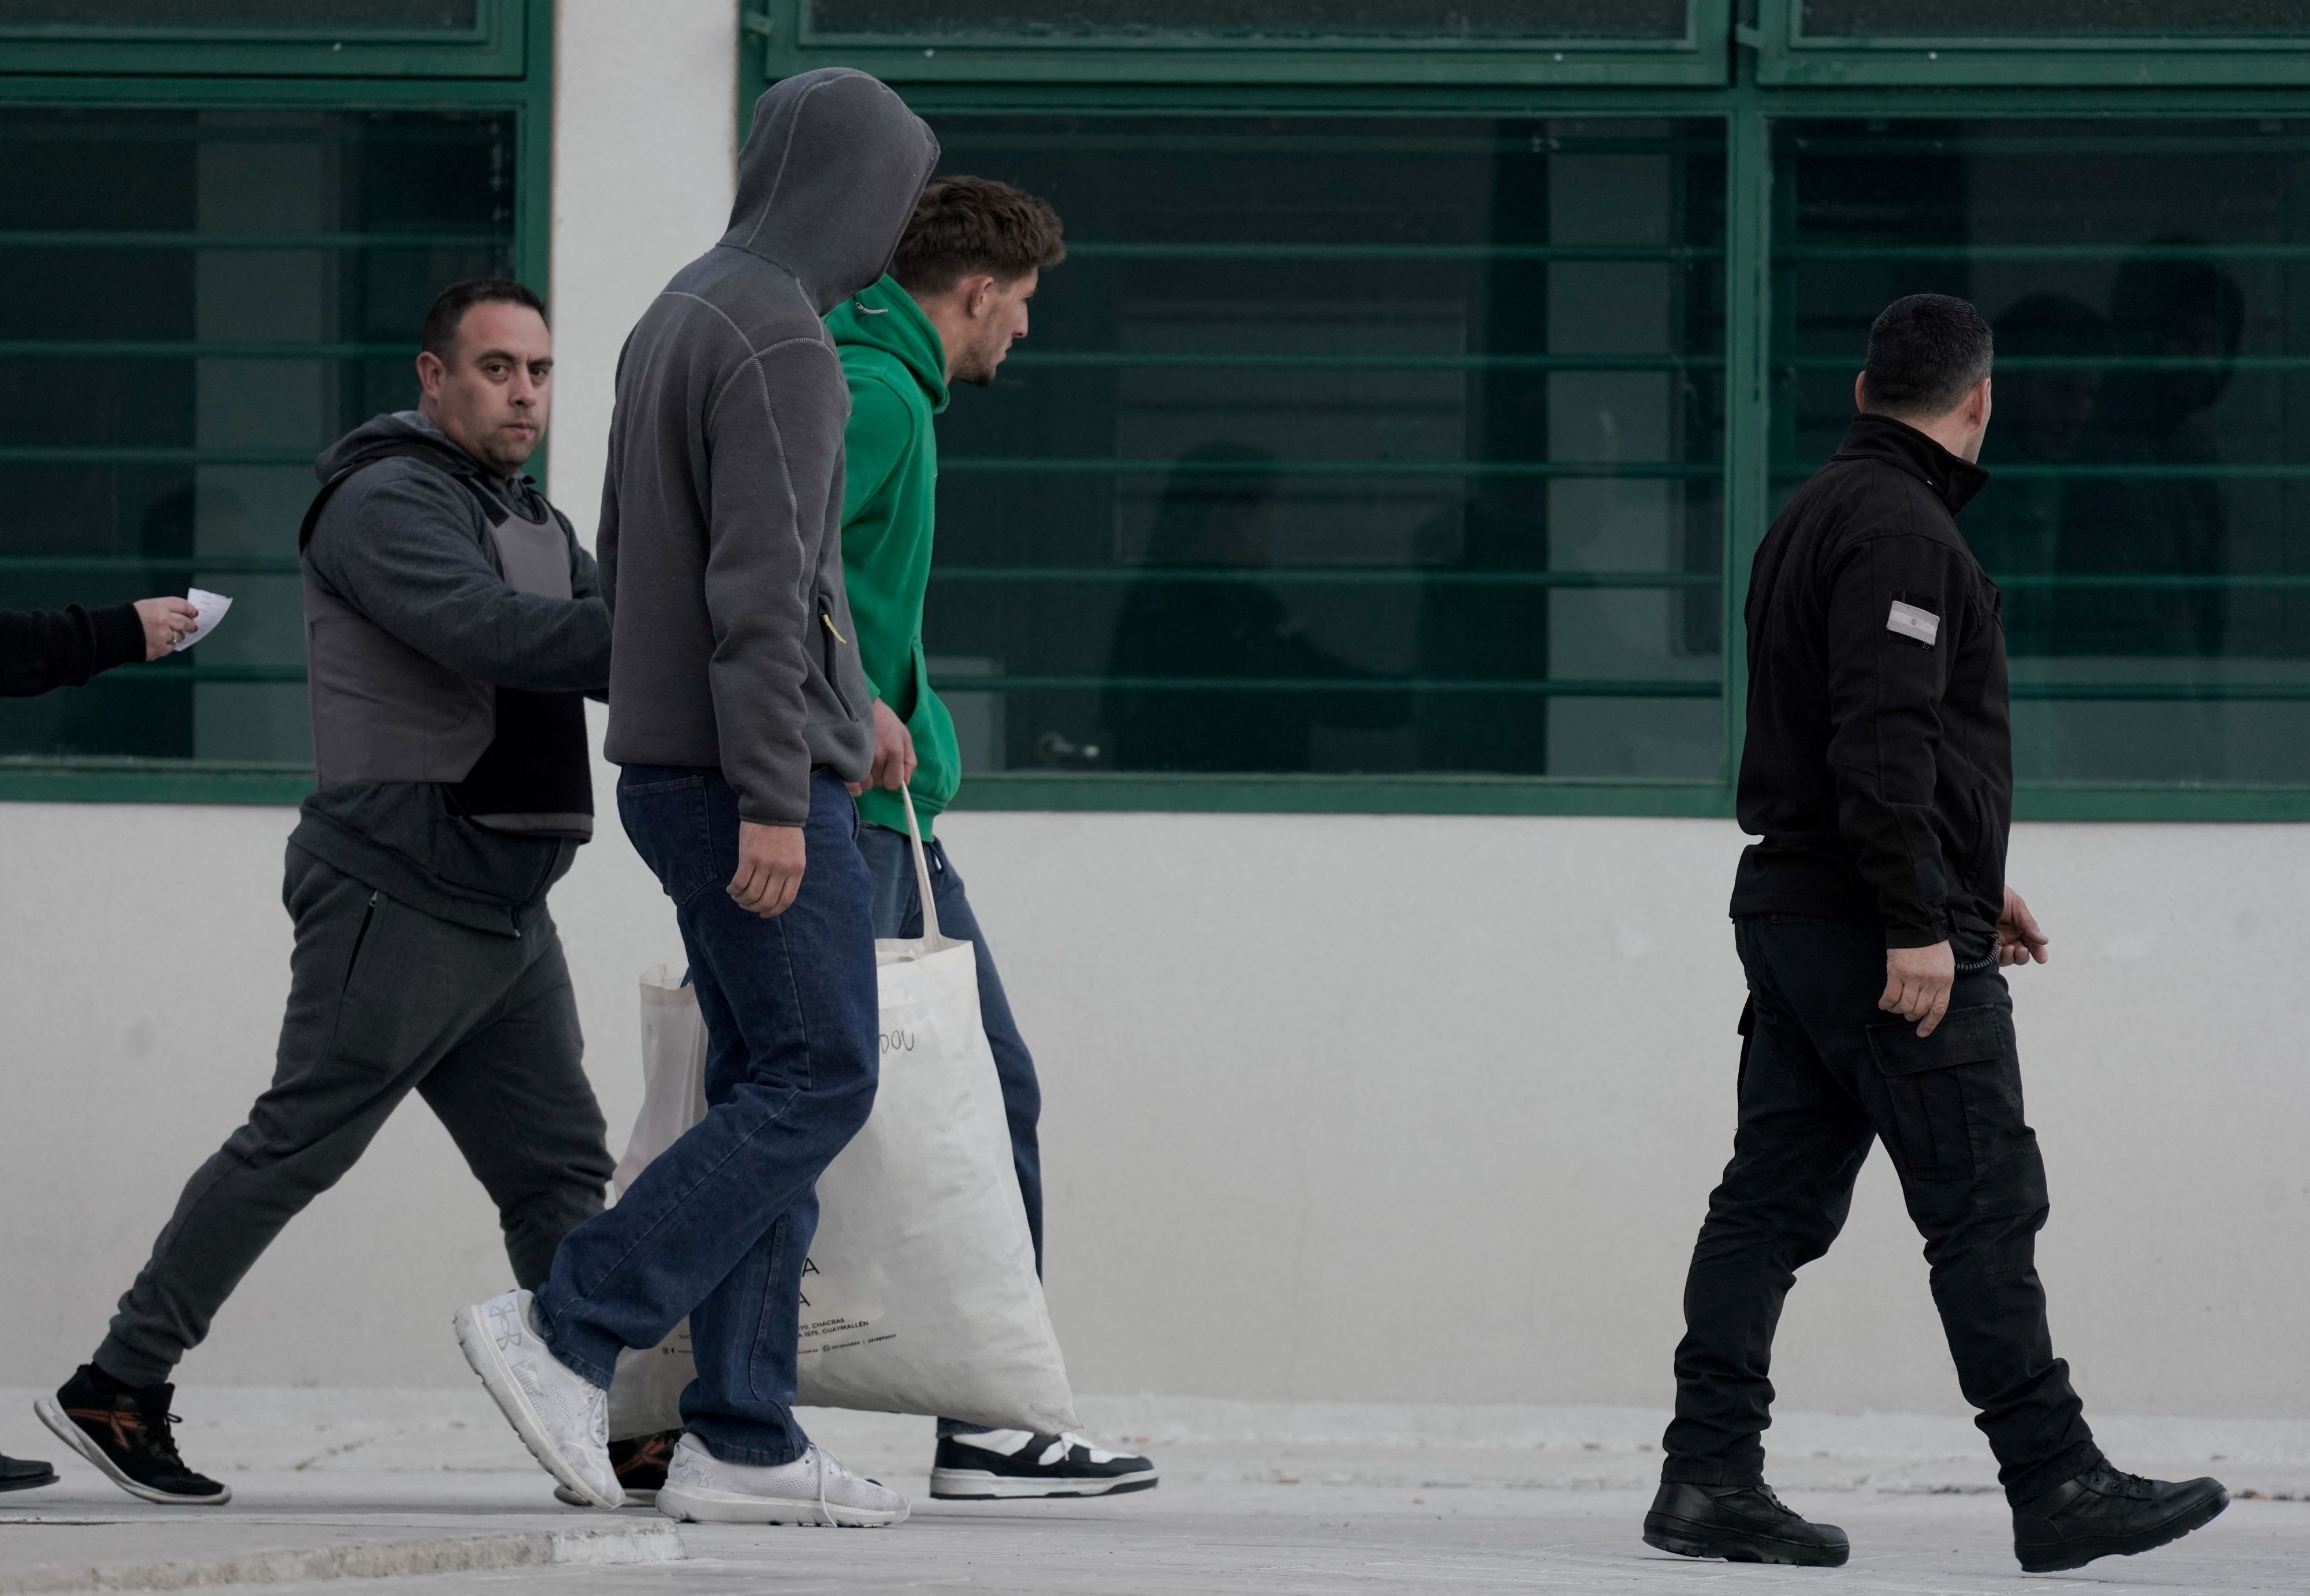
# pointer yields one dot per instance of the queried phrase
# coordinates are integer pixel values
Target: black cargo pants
(384, 999)
(1823, 1071)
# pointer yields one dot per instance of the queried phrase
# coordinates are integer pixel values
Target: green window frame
(1769, 82)
(1967, 54)
(506, 67)
(493, 46)
(787, 30)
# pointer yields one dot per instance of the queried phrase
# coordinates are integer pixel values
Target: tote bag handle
(922, 870)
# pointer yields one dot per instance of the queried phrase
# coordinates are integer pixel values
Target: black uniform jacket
(1879, 768)
(42, 649)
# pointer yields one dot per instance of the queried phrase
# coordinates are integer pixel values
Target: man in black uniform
(1872, 921)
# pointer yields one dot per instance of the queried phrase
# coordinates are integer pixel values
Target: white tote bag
(919, 1295)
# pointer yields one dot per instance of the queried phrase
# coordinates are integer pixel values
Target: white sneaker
(701, 1489)
(560, 1416)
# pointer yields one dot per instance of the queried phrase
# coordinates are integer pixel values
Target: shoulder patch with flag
(1919, 625)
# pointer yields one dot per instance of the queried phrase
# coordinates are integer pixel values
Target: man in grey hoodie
(742, 718)
(453, 625)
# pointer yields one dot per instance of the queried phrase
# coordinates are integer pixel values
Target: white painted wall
(645, 165)
(1340, 1108)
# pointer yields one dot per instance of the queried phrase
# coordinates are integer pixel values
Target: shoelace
(164, 1437)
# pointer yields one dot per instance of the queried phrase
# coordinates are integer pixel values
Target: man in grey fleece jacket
(740, 713)
(454, 624)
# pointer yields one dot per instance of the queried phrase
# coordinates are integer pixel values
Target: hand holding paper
(212, 607)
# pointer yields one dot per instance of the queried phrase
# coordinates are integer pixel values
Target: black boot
(2103, 1513)
(1741, 1523)
(125, 1432)
(22, 1474)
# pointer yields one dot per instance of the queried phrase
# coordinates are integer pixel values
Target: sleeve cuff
(119, 634)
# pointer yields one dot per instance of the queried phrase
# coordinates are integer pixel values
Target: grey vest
(384, 712)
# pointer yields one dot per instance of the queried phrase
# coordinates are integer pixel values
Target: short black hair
(966, 225)
(1924, 351)
(439, 335)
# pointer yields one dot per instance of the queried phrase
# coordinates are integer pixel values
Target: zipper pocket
(369, 918)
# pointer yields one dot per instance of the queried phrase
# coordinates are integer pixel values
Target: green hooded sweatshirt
(896, 367)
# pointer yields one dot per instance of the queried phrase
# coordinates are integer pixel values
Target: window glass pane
(1346, 445)
(1962, 18)
(1541, 19)
(2148, 520)
(333, 17)
(192, 303)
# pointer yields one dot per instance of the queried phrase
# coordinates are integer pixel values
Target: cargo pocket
(1955, 1094)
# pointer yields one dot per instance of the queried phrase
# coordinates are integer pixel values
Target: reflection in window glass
(2150, 442)
(192, 303)
(1346, 446)
(2038, 19)
(1535, 18)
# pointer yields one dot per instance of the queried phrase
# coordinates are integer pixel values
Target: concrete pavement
(1269, 1499)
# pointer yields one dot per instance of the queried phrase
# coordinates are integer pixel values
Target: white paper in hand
(212, 607)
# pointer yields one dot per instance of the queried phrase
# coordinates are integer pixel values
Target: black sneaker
(640, 1464)
(2103, 1513)
(23, 1474)
(987, 1465)
(126, 1433)
(1740, 1523)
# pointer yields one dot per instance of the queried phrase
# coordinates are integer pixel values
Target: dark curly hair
(966, 225)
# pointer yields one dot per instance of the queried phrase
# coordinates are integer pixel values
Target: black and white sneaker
(126, 1433)
(990, 1465)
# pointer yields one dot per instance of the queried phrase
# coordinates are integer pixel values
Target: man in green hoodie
(953, 306)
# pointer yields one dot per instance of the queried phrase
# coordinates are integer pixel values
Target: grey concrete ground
(1269, 1499)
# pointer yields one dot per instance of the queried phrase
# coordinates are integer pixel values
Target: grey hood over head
(721, 508)
(827, 180)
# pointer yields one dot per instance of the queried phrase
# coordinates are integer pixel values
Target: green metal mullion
(2176, 582)
(160, 675)
(150, 781)
(1301, 575)
(1647, 470)
(2008, 363)
(1253, 793)
(188, 90)
(2145, 471)
(149, 454)
(2164, 692)
(236, 565)
(532, 250)
(1427, 101)
(1530, 687)
(1252, 360)
(2050, 252)
(1104, 250)
(125, 238)
(150, 349)
(1748, 396)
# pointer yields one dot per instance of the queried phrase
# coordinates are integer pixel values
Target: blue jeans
(899, 913)
(717, 1227)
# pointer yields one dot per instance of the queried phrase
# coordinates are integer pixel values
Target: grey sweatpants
(382, 1000)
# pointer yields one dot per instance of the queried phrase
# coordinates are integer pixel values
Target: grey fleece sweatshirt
(721, 512)
(405, 543)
